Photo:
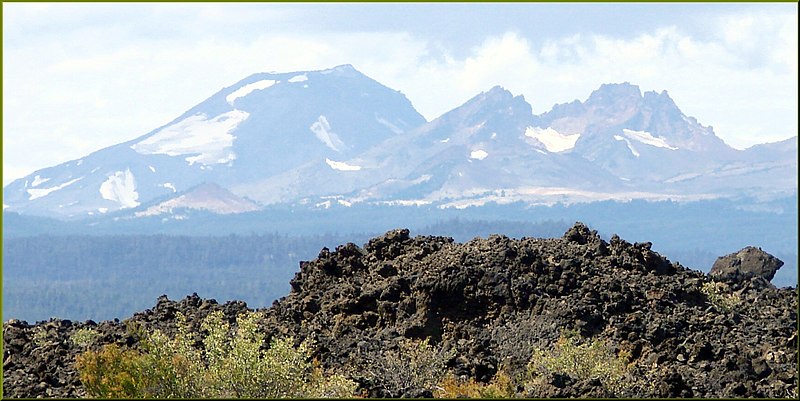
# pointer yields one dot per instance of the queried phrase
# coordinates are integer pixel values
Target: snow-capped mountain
(337, 136)
(262, 126)
(635, 136)
(480, 149)
(619, 144)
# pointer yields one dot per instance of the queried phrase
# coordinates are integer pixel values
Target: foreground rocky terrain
(486, 305)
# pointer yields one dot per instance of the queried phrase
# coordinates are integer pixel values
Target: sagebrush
(229, 365)
(584, 360)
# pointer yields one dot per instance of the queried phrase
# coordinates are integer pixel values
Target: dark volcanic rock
(747, 263)
(38, 360)
(486, 303)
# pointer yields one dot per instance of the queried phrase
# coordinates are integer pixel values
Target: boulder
(750, 262)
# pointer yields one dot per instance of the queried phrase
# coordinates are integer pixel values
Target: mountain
(481, 148)
(619, 144)
(318, 138)
(261, 126)
(208, 197)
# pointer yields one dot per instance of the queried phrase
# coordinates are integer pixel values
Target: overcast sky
(80, 77)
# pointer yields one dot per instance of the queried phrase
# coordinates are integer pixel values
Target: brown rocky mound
(488, 303)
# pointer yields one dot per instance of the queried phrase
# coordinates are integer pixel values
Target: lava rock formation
(488, 303)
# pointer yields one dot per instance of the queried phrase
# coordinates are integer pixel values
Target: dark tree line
(105, 277)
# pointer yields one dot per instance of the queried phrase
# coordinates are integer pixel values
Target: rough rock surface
(747, 263)
(486, 302)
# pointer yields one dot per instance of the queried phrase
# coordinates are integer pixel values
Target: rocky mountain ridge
(488, 303)
(316, 137)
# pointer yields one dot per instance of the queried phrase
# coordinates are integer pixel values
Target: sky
(83, 76)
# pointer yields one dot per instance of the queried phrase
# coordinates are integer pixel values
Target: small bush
(719, 295)
(232, 365)
(84, 337)
(501, 386)
(416, 365)
(39, 336)
(113, 372)
(582, 361)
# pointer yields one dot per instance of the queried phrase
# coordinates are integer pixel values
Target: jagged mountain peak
(619, 110)
(497, 101)
(614, 92)
(498, 90)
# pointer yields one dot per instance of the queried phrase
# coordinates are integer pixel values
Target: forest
(82, 277)
(104, 277)
(76, 271)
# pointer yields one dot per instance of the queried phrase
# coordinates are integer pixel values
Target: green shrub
(84, 337)
(231, 365)
(719, 295)
(113, 372)
(39, 336)
(587, 360)
(501, 386)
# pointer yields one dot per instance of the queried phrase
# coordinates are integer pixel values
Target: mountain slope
(482, 147)
(261, 126)
(336, 136)
(208, 197)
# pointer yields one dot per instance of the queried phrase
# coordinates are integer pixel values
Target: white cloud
(747, 102)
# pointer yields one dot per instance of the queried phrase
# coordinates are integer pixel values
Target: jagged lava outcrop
(489, 302)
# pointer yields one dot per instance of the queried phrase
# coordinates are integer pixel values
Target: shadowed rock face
(747, 263)
(487, 302)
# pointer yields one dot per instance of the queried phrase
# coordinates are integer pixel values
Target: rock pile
(487, 304)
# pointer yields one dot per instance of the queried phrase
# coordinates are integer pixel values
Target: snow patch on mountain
(552, 140)
(341, 166)
(322, 130)
(628, 142)
(479, 154)
(247, 89)
(422, 178)
(299, 78)
(38, 180)
(209, 141)
(387, 124)
(647, 138)
(40, 192)
(121, 188)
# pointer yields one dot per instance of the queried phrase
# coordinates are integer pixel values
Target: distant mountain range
(316, 138)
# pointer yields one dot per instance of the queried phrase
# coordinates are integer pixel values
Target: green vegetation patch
(229, 365)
